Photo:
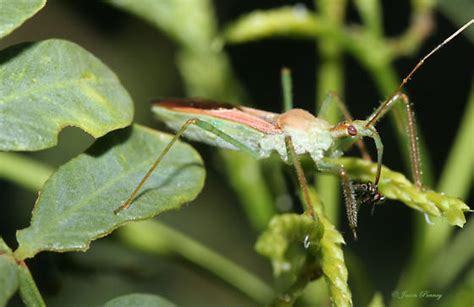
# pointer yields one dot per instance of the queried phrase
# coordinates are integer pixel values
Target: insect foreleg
(352, 206)
(397, 95)
(333, 97)
(411, 130)
(193, 121)
(300, 174)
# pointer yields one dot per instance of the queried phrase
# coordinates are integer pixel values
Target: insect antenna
(379, 112)
(398, 96)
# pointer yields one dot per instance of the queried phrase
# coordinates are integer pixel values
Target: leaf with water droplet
(292, 243)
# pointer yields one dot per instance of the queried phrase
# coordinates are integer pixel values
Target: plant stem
(455, 180)
(28, 290)
(24, 171)
(159, 239)
(456, 177)
(451, 260)
(330, 78)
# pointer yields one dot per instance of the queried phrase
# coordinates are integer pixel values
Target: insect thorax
(314, 141)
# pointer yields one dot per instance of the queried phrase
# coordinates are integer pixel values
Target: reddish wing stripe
(195, 103)
(223, 111)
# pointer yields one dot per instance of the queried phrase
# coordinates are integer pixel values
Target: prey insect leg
(352, 206)
(193, 121)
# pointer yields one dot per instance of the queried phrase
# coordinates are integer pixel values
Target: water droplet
(306, 242)
(285, 298)
(300, 10)
(427, 218)
(284, 202)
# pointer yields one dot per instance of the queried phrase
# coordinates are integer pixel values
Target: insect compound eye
(351, 130)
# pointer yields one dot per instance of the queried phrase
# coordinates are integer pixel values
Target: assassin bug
(290, 134)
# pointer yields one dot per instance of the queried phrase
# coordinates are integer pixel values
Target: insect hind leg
(193, 121)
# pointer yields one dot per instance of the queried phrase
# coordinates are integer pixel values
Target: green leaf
(49, 85)
(8, 274)
(77, 202)
(139, 299)
(4, 249)
(187, 21)
(283, 243)
(331, 257)
(292, 243)
(283, 231)
(8, 278)
(293, 22)
(333, 264)
(459, 294)
(396, 186)
(14, 13)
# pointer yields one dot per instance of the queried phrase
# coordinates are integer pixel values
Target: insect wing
(245, 127)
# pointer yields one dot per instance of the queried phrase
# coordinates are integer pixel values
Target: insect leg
(287, 89)
(411, 130)
(352, 206)
(333, 97)
(194, 121)
(300, 174)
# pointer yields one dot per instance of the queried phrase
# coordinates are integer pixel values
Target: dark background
(143, 58)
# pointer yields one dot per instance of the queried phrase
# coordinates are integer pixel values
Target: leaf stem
(456, 177)
(158, 239)
(330, 78)
(23, 171)
(452, 259)
(28, 290)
